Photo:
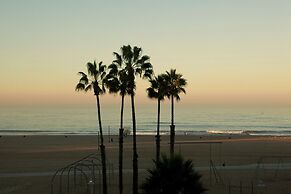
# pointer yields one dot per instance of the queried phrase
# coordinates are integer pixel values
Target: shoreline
(218, 133)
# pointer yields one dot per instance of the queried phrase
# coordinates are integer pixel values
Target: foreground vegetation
(173, 175)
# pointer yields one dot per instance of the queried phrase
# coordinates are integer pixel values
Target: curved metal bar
(68, 183)
(86, 178)
(91, 162)
(53, 179)
(61, 179)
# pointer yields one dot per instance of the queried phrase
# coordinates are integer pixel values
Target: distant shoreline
(211, 132)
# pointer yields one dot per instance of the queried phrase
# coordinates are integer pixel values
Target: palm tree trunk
(102, 148)
(121, 147)
(135, 156)
(158, 147)
(172, 128)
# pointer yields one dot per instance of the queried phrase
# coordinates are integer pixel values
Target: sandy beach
(258, 164)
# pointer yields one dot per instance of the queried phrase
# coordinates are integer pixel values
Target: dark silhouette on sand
(173, 175)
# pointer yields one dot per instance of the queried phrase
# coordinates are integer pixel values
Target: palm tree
(134, 63)
(117, 83)
(176, 85)
(158, 90)
(96, 80)
(173, 176)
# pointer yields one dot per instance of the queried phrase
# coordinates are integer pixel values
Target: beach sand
(27, 163)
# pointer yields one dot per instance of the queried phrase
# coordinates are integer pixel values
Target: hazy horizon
(232, 53)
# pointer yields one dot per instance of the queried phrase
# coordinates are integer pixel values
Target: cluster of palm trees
(119, 77)
(169, 84)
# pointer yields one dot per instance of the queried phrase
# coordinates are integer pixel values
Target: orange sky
(234, 53)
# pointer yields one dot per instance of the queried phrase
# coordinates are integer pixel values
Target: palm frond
(113, 69)
(177, 97)
(82, 73)
(143, 59)
(152, 93)
(103, 75)
(89, 87)
(136, 53)
(91, 68)
(175, 83)
(118, 59)
(127, 53)
(95, 65)
(146, 66)
(182, 81)
(80, 87)
(183, 90)
(138, 71)
(101, 67)
(103, 88)
(84, 80)
(148, 74)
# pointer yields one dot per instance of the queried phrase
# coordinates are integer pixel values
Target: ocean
(189, 120)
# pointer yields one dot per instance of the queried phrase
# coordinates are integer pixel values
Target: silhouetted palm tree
(173, 176)
(176, 85)
(117, 83)
(134, 63)
(158, 90)
(95, 80)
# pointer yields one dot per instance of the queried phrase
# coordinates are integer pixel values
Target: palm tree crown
(94, 79)
(134, 64)
(117, 80)
(176, 84)
(158, 88)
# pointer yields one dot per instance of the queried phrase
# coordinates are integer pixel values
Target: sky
(231, 52)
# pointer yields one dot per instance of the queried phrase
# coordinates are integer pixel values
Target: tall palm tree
(173, 175)
(176, 85)
(117, 83)
(134, 63)
(96, 80)
(158, 90)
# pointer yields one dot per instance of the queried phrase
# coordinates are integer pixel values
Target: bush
(173, 176)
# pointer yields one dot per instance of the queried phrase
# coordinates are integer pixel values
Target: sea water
(190, 120)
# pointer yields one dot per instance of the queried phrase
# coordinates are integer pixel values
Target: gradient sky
(231, 52)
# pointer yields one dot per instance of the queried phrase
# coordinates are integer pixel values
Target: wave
(252, 132)
(231, 132)
(150, 133)
(271, 133)
(222, 132)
